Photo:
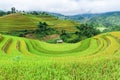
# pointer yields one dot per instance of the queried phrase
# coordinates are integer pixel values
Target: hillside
(21, 22)
(16, 22)
(108, 19)
(103, 45)
(95, 58)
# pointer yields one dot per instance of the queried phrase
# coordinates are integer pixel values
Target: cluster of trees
(2, 13)
(44, 30)
(69, 37)
(38, 13)
(84, 31)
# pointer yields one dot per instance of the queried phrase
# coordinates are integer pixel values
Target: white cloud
(68, 7)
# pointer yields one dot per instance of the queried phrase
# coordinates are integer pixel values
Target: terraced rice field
(96, 58)
(18, 21)
(97, 45)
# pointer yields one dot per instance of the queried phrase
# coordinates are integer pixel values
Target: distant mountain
(108, 19)
(81, 17)
(57, 14)
(60, 16)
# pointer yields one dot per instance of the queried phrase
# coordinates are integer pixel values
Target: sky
(66, 7)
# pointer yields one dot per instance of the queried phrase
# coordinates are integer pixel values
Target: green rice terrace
(95, 58)
(18, 21)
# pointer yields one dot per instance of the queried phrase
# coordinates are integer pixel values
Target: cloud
(67, 7)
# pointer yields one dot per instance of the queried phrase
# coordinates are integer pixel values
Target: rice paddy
(95, 58)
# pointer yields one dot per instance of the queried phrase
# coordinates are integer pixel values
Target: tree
(42, 26)
(21, 35)
(13, 10)
(63, 32)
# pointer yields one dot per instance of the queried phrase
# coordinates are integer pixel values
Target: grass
(96, 58)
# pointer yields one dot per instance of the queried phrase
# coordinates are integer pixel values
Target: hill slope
(102, 45)
(108, 19)
(15, 22)
(22, 22)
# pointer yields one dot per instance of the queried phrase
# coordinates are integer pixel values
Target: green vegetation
(92, 58)
(105, 69)
(18, 21)
(106, 20)
(84, 31)
(44, 30)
